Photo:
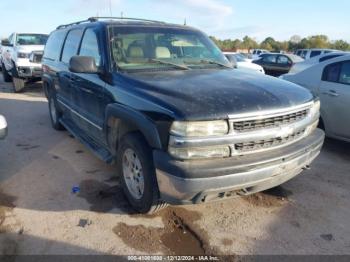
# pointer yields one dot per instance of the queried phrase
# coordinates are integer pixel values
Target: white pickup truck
(21, 58)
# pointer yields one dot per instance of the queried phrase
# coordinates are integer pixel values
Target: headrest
(162, 52)
(135, 52)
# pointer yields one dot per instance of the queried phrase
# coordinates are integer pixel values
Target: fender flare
(130, 116)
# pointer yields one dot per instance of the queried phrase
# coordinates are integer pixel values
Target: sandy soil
(39, 214)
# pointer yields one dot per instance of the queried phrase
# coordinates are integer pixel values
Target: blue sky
(222, 18)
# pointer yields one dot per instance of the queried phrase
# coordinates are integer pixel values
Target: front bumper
(190, 182)
(27, 69)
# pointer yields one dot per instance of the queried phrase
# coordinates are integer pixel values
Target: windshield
(31, 39)
(150, 48)
(240, 58)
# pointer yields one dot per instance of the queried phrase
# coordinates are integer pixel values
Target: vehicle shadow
(32, 89)
(40, 166)
(10, 245)
(315, 219)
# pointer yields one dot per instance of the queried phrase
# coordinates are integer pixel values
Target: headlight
(200, 153)
(200, 128)
(23, 55)
(315, 110)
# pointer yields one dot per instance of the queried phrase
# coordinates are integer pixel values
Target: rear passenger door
(88, 89)
(65, 95)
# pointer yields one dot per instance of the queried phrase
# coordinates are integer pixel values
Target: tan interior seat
(135, 52)
(162, 52)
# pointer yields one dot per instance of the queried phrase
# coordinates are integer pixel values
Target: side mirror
(5, 42)
(83, 64)
(232, 60)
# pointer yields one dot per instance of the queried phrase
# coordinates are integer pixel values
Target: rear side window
(331, 72)
(53, 45)
(269, 59)
(89, 46)
(345, 73)
(325, 58)
(71, 45)
(315, 53)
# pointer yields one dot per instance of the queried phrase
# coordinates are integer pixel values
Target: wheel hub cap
(133, 174)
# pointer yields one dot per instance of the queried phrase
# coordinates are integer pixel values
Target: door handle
(86, 90)
(331, 93)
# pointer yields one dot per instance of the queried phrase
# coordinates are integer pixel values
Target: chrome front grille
(260, 131)
(271, 122)
(246, 147)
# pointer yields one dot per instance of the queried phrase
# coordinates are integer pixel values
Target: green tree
(341, 45)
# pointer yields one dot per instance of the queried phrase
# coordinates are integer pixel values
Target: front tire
(18, 84)
(6, 76)
(55, 114)
(135, 164)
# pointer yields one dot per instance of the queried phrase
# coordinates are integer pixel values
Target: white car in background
(3, 127)
(242, 62)
(330, 81)
(298, 67)
(310, 53)
(257, 52)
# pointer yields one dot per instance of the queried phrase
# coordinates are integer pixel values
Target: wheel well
(321, 124)
(117, 129)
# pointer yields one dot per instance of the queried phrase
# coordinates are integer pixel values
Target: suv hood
(215, 94)
(30, 48)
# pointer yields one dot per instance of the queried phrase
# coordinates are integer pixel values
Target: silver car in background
(3, 127)
(330, 80)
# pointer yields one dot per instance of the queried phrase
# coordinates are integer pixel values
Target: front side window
(331, 72)
(89, 46)
(31, 39)
(345, 73)
(71, 45)
(150, 48)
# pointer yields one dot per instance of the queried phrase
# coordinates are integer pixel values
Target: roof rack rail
(125, 18)
(89, 20)
(95, 19)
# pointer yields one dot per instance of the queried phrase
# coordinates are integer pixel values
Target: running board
(101, 152)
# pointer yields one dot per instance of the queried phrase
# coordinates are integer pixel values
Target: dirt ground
(39, 214)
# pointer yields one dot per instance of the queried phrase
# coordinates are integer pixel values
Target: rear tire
(55, 114)
(6, 76)
(18, 84)
(138, 178)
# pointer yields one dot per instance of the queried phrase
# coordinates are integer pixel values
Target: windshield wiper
(170, 63)
(215, 63)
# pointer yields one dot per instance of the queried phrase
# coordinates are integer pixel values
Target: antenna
(110, 7)
(121, 14)
(185, 22)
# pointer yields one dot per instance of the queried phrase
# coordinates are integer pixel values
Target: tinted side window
(345, 73)
(89, 46)
(53, 45)
(315, 53)
(71, 45)
(269, 59)
(325, 58)
(283, 60)
(331, 72)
